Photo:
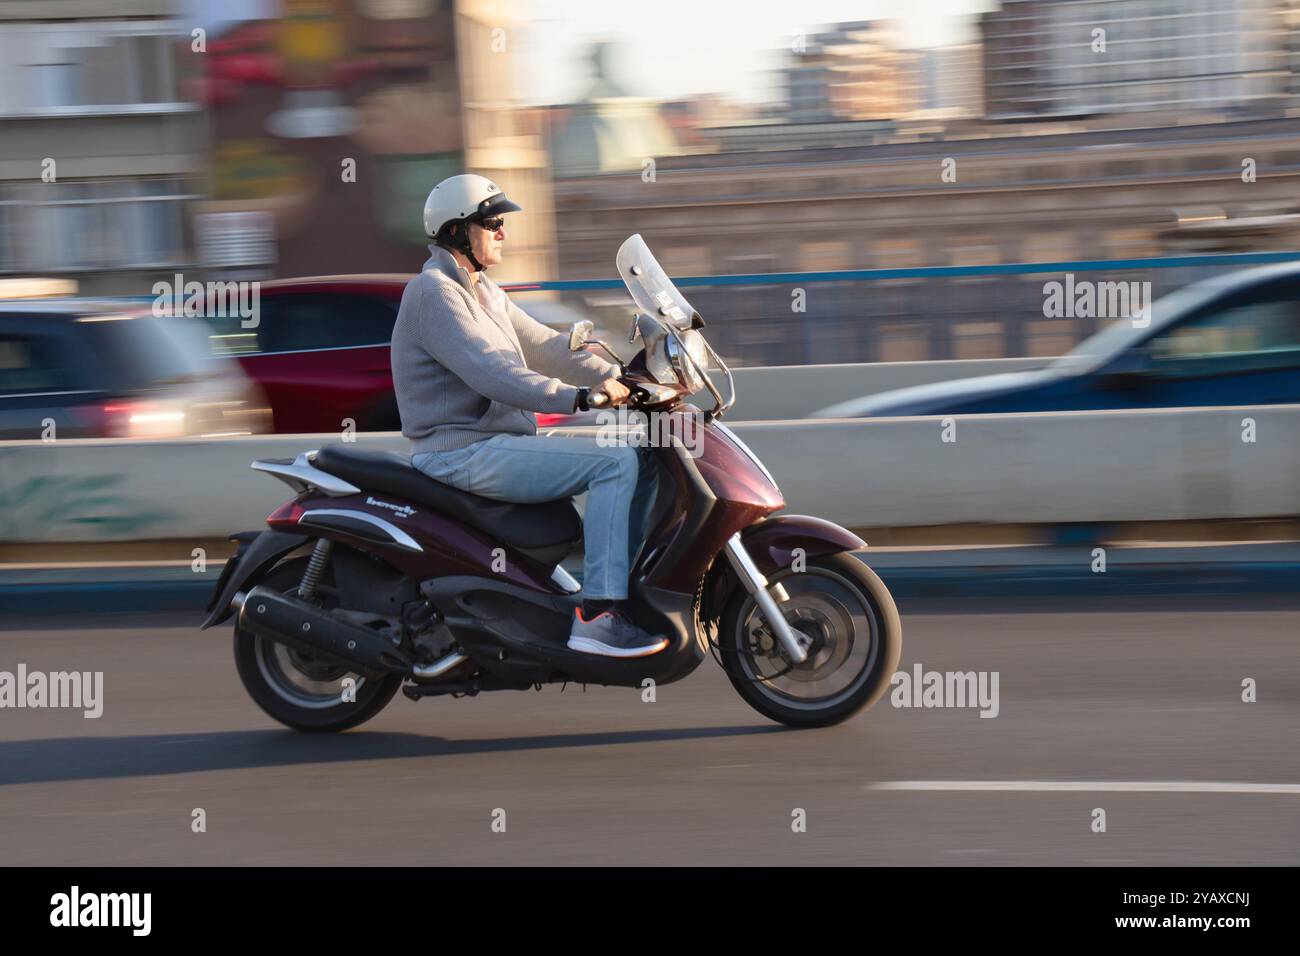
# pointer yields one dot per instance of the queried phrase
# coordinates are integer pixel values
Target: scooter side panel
(522, 637)
(446, 546)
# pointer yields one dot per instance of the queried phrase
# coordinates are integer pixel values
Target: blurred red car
(320, 351)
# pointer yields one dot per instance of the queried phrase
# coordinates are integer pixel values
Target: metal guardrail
(931, 272)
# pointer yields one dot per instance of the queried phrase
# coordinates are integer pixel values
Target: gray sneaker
(612, 634)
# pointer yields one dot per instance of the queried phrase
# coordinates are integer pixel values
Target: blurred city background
(208, 137)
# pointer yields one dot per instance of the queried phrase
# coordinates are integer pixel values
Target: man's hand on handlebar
(609, 392)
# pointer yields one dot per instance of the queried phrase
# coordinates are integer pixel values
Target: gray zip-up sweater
(469, 364)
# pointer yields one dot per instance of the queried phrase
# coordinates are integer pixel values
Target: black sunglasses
(493, 224)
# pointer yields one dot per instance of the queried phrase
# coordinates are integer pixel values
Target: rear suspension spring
(315, 568)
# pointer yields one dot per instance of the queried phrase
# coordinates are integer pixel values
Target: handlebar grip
(597, 400)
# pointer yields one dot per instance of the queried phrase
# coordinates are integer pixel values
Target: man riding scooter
(470, 368)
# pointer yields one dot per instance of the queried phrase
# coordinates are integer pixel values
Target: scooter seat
(524, 526)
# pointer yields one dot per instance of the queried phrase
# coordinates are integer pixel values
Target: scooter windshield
(651, 289)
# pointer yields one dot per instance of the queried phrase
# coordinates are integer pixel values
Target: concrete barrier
(1049, 467)
(117, 490)
(1148, 465)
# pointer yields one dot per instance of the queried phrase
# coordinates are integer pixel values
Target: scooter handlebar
(638, 395)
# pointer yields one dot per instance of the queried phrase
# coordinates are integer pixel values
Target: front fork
(794, 644)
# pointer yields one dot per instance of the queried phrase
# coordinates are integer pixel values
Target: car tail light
(143, 420)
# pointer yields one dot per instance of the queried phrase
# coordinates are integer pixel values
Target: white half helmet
(459, 198)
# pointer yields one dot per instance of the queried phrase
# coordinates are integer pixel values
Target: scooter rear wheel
(856, 634)
(297, 689)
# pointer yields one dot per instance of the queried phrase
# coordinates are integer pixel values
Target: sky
(671, 48)
(665, 49)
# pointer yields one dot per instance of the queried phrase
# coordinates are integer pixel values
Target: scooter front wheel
(856, 637)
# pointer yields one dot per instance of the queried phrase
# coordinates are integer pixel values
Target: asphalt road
(1140, 692)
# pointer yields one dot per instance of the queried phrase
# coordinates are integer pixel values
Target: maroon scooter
(376, 578)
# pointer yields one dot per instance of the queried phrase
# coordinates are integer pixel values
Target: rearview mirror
(580, 333)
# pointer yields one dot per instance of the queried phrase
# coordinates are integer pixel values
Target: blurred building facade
(852, 71)
(1289, 25)
(334, 120)
(608, 130)
(1047, 196)
(101, 145)
(236, 159)
(1073, 57)
(950, 81)
(1144, 127)
(135, 143)
(503, 141)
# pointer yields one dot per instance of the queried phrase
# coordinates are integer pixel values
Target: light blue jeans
(620, 482)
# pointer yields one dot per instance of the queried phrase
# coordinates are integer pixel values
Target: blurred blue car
(1230, 340)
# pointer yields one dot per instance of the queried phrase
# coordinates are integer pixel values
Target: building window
(977, 340)
(1130, 244)
(903, 343)
(91, 226)
(1050, 247)
(897, 254)
(975, 251)
(92, 64)
(1049, 337)
(824, 256)
(686, 260)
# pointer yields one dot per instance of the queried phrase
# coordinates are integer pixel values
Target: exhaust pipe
(306, 627)
(438, 667)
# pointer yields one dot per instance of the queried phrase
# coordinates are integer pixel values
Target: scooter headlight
(697, 351)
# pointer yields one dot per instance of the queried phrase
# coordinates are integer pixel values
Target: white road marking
(1084, 786)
